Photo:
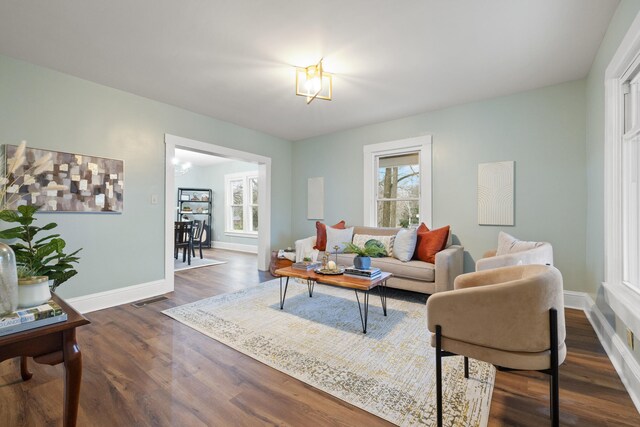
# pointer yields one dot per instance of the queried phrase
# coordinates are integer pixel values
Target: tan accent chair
(511, 317)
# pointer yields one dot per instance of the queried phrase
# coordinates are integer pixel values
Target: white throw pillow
(337, 237)
(404, 244)
(387, 241)
(508, 244)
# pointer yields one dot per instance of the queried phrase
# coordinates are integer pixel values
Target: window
(397, 180)
(621, 190)
(241, 203)
(398, 196)
(630, 189)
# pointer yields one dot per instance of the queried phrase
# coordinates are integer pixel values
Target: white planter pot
(33, 291)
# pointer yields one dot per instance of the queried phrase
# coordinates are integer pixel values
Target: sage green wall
(59, 112)
(620, 22)
(542, 130)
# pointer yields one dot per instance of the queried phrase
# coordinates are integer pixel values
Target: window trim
(246, 204)
(421, 144)
(623, 299)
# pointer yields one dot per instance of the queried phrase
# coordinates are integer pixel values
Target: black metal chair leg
(439, 373)
(554, 384)
(466, 367)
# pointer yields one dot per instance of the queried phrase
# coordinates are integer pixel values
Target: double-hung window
(241, 203)
(397, 183)
(630, 188)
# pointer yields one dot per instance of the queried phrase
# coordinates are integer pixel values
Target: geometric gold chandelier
(313, 82)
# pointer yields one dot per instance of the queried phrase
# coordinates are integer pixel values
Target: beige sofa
(414, 275)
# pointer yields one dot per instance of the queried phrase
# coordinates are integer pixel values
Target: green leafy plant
(370, 250)
(44, 256)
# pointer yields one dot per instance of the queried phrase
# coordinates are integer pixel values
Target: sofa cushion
(376, 231)
(417, 270)
(507, 244)
(430, 242)
(404, 244)
(339, 238)
(387, 241)
(321, 234)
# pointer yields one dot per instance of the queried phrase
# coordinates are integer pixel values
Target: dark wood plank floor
(143, 369)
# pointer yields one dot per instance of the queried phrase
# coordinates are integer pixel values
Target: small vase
(8, 280)
(362, 262)
(33, 291)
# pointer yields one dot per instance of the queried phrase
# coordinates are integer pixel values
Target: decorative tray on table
(326, 271)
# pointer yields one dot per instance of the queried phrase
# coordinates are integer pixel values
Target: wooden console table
(50, 345)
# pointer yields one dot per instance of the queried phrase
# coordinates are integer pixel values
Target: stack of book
(306, 265)
(370, 274)
(30, 318)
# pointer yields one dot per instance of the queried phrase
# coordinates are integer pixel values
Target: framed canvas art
(496, 193)
(69, 183)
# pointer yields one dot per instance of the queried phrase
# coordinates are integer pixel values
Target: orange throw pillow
(430, 243)
(321, 234)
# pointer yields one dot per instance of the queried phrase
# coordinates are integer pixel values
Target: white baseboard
(620, 355)
(239, 247)
(111, 298)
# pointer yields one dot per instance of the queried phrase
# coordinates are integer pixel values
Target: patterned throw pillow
(361, 239)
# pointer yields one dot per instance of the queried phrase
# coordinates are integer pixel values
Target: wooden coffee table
(358, 285)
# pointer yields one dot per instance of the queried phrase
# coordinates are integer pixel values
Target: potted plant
(372, 248)
(33, 290)
(37, 257)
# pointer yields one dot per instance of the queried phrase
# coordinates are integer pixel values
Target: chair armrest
(305, 246)
(449, 264)
(541, 255)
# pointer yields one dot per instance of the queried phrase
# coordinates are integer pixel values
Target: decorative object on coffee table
(362, 260)
(8, 280)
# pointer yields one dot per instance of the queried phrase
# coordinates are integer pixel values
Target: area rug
(178, 265)
(389, 372)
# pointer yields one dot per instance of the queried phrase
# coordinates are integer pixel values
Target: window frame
(620, 296)
(372, 153)
(247, 223)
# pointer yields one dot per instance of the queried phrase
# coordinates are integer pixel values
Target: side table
(277, 263)
(50, 345)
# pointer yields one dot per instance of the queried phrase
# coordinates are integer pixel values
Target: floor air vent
(148, 301)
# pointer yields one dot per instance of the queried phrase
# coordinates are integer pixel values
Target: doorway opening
(223, 192)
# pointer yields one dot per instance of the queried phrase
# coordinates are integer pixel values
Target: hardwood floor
(143, 369)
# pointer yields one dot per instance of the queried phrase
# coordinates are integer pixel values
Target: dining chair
(199, 236)
(183, 238)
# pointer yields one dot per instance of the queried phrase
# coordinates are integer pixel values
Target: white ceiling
(198, 159)
(234, 60)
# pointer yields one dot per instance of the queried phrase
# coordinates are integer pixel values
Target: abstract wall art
(68, 183)
(496, 193)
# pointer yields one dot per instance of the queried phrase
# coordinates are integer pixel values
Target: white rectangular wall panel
(496, 193)
(315, 198)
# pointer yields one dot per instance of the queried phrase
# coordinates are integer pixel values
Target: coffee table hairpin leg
(382, 289)
(283, 295)
(365, 315)
(310, 284)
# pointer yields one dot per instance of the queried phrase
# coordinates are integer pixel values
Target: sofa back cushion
(376, 231)
(387, 241)
(321, 234)
(404, 245)
(338, 237)
(430, 243)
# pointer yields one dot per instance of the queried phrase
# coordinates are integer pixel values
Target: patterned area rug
(196, 262)
(389, 372)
